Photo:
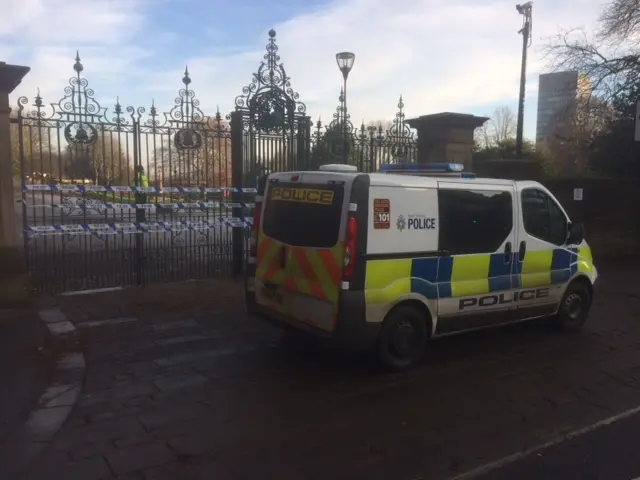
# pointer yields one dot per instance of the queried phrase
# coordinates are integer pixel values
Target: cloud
(459, 55)
(63, 21)
(45, 34)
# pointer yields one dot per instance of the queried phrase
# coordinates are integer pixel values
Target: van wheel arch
(583, 280)
(418, 305)
(575, 305)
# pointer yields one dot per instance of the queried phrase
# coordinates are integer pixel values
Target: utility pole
(526, 12)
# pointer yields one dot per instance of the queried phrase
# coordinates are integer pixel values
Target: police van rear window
(303, 215)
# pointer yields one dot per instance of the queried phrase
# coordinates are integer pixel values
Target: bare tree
(503, 124)
(482, 136)
(500, 127)
(104, 161)
(567, 150)
(109, 162)
(620, 22)
(208, 164)
(35, 148)
(380, 125)
(610, 58)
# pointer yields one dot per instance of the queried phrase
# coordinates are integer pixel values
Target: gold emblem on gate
(302, 195)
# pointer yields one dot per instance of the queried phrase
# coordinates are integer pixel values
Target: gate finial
(270, 90)
(78, 66)
(186, 79)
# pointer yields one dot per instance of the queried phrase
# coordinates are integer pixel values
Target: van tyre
(574, 307)
(402, 339)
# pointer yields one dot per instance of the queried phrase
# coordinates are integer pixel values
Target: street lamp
(345, 64)
(526, 11)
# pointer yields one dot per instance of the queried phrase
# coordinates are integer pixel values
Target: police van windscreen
(303, 215)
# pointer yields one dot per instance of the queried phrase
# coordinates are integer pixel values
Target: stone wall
(610, 212)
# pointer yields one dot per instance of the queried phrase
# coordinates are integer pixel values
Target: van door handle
(507, 253)
(283, 257)
(522, 251)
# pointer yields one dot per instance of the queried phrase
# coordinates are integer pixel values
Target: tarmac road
(611, 452)
(202, 392)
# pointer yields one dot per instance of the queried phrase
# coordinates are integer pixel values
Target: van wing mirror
(576, 234)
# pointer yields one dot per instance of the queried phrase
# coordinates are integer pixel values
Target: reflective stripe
(268, 267)
(470, 275)
(424, 277)
(467, 275)
(322, 265)
(563, 265)
(536, 268)
(386, 280)
(310, 275)
(585, 260)
(500, 273)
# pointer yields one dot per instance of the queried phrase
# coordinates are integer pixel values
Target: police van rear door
(300, 245)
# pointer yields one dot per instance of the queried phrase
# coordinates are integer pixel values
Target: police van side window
(542, 217)
(474, 221)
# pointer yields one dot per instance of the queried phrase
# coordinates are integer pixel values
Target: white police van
(389, 260)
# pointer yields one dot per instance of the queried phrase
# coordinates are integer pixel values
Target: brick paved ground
(204, 392)
(25, 366)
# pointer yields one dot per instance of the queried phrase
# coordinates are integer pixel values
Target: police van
(388, 260)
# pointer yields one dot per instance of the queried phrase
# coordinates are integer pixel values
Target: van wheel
(574, 308)
(403, 338)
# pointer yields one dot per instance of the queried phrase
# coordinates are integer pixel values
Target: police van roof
(402, 180)
(399, 179)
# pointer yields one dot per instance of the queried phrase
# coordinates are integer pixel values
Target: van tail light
(255, 226)
(350, 247)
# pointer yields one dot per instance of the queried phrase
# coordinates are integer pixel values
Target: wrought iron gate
(275, 128)
(129, 197)
(91, 217)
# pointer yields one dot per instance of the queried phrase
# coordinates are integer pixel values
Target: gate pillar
(11, 258)
(446, 137)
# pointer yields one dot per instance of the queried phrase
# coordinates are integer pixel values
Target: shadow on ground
(25, 367)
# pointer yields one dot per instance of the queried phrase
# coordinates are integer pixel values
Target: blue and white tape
(145, 206)
(132, 228)
(124, 189)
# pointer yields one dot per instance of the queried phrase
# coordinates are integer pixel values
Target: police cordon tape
(132, 228)
(144, 206)
(125, 188)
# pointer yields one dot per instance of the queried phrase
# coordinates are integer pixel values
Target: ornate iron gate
(129, 197)
(275, 128)
(91, 217)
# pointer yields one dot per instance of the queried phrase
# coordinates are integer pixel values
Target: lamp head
(345, 62)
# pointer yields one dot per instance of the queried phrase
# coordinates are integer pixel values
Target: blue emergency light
(427, 169)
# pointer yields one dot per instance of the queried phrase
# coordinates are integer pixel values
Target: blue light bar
(427, 169)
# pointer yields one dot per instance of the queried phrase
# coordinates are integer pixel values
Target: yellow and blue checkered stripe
(458, 276)
(552, 267)
(463, 275)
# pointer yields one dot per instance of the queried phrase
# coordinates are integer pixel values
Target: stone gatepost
(446, 137)
(13, 279)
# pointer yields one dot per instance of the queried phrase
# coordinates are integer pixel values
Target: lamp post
(525, 31)
(345, 64)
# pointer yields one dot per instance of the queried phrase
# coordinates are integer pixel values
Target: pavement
(608, 453)
(180, 383)
(25, 367)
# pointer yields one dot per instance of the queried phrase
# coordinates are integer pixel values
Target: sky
(454, 55)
